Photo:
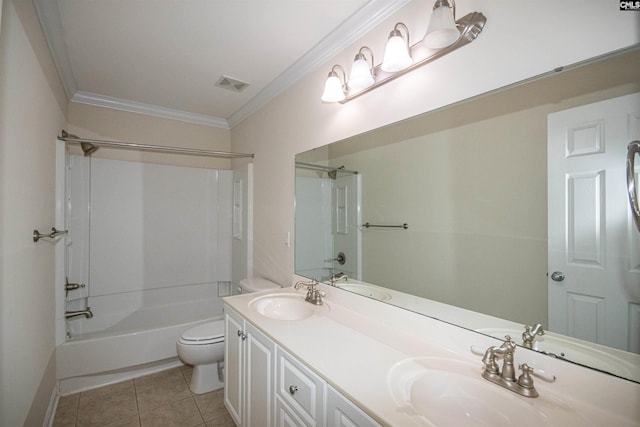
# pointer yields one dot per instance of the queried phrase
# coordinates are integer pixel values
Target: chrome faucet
(86, 313)
(336, 277)
(530, 334)
(314, 296)
(523, 385)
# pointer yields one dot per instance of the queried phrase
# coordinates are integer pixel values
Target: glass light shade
(333, 91)
(396, 55)
(442, 30)
(360, 76)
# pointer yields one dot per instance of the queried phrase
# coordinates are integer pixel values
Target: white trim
(50, 416)
(148, 109)
(51, 23)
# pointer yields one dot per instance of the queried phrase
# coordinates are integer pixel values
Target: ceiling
(164, 57)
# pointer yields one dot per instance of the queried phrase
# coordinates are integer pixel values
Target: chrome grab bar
(369, 225)
(633, 149)
(54, 233)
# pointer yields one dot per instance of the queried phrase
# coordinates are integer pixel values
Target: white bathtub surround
(152, 245)
(143, 235)
(358, 343)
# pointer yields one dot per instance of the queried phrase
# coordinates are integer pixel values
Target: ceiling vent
(232, 84)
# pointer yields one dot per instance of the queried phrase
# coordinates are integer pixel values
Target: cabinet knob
(293, 389)
(242, 335)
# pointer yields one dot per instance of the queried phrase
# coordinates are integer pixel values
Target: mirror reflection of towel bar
(54, 233)
(368, 225)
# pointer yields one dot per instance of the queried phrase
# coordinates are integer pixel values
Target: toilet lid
(206, 331)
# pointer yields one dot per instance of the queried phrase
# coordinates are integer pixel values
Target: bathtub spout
(86, 313)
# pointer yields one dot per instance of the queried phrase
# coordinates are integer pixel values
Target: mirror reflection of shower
(330, 220)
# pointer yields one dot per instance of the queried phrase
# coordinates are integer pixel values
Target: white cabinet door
(233, 372)
(249, 373)
(259, 373)
(343, 413)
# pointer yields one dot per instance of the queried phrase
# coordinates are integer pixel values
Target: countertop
(353, 343)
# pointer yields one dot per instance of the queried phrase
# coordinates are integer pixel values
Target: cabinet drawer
(300, 389)
(285, 417)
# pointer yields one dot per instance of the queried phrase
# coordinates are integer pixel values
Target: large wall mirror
(467, 207)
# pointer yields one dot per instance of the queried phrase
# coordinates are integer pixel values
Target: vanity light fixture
(361, 76)
(442, 30)
(334, 88)
(444, 35)
(397, 54)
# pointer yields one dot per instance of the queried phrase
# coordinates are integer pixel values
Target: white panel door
(592, 243)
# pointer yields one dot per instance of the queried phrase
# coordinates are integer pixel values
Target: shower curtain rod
(325, 168)
(67, 137)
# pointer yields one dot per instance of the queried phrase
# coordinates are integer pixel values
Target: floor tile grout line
(135, 394)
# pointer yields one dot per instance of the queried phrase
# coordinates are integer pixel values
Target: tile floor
(161, 399)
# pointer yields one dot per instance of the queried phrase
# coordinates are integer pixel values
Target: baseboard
(87, 382)
(50, 416)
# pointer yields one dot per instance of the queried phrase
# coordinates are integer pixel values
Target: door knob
(557, 276)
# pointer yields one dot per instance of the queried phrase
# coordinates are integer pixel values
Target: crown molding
(147, 109)
(356, 26)
(51, 23)
(353, 28)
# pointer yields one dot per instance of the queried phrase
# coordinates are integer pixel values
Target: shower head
(88, 148)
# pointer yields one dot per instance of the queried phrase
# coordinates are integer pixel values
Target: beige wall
(93, 122)
(31, 113)
(475, 201)
(507, 51)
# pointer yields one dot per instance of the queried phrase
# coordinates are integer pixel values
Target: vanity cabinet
(299, 391)
(249, 372)
(341, 412)
(267, 386)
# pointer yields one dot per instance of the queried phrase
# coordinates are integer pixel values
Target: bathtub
(142, 342)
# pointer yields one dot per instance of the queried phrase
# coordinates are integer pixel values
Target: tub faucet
(86, 313)
(336, 277)
(523, 385)
(530, 333)
(314, 296)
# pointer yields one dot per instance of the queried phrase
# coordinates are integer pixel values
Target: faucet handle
(542, 374)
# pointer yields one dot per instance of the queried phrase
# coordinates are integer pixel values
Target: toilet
(203, 346)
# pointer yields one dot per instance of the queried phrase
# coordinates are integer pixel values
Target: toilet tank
(256, 284)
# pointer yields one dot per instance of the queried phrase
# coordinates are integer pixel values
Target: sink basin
(570, 349)
(366, 290)
(440, 391)
(285, 306)
(450, 392)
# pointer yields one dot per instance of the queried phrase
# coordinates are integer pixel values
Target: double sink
(434, 391)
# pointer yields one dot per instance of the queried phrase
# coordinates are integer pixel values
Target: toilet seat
(207, 333)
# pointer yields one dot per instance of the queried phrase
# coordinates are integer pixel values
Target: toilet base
(205, 378)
